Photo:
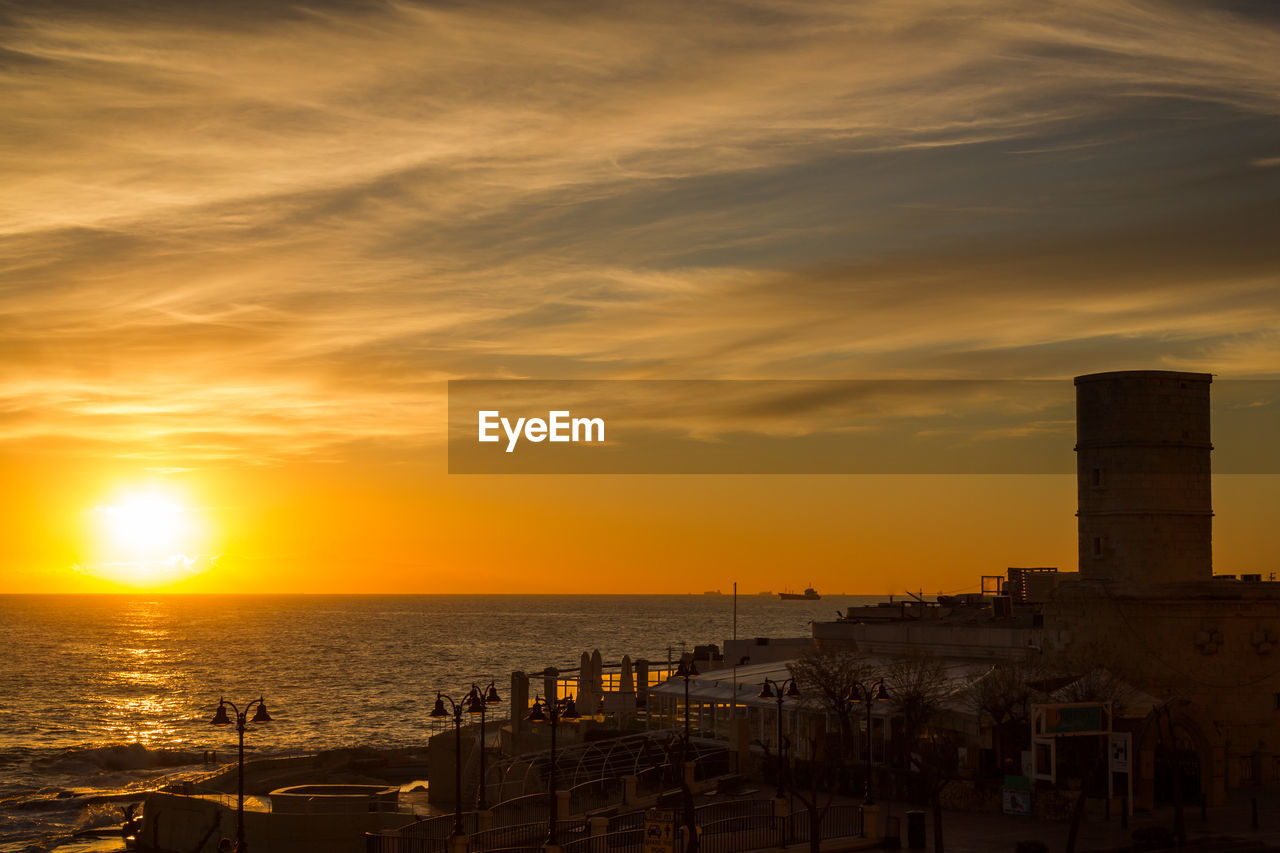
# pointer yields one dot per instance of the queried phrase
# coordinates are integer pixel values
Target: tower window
(1096, 478)
(1097, 546)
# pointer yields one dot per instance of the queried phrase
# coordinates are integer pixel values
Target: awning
(717, 686)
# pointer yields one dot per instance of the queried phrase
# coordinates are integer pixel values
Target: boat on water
(809, 594)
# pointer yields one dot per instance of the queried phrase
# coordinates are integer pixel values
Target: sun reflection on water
(143, 692)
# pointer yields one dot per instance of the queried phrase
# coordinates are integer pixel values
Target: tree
(824, 678)
(917, 687)
(1005, 694)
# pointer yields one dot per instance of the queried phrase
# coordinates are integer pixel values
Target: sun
(146, 539)
(146, 523)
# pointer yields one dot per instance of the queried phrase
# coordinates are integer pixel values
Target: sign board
(1017, 783)
(1017, 801)
(1121, 744)
(660, 831)
(1071, 719)
(1120, 758)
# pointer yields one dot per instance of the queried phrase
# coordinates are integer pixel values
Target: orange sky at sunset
(244, 247)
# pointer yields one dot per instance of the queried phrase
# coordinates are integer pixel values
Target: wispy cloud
(275, 231)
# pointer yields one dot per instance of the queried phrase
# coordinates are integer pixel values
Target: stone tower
(1143, 477)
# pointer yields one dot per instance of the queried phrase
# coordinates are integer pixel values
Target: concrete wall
(947, 641)
(765, 649)
(179, 824)
(1214, 649)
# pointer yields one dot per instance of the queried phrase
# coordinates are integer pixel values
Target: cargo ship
(809, 594)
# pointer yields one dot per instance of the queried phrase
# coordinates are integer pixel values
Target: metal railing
(594, 795)
(653, 780)
(711, 763)
(626, 822)
(524, 834)
(438, 827)
(840, 821)
(726, 827)
(527, 809)
(749, 832)
(378, 843)
(715, 812)
(626, 841)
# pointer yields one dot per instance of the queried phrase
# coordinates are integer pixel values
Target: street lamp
(438, 713)
(787, 689)
(686, 671)
(859, 694)
(553, 712)
(220, 718)
(477, 701)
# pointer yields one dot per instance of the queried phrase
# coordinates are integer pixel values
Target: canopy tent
(717, 686)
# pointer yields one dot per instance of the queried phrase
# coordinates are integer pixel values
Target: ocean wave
(118, 757)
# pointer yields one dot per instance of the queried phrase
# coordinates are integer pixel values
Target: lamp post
(787, 689)
(220, 718)
(860, 694)
(686, 671)
(477, 701)
(553, 712)
(439, 713)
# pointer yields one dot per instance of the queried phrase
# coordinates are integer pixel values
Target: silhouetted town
(1137, 682)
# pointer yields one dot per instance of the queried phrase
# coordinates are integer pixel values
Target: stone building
(1145, 604)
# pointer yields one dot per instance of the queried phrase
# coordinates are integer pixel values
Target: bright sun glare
(146, 523)
(146, 539)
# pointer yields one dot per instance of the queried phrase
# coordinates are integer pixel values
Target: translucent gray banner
(808, 427)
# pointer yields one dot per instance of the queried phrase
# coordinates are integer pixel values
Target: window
(1097, 546)
(1096, 480)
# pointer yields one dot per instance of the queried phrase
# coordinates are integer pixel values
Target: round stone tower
(1143, 477)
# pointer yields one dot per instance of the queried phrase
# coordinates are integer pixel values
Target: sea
(112, 694)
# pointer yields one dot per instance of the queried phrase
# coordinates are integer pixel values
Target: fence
(526, 834)
(631, 755)
(840, 821)
(626, 822)
(626, 841)
(376, 842)
(654, 779)
(520, 824)
(725, 827)
(425, 836)
(527, 809)
(713, 812)
(749, 832)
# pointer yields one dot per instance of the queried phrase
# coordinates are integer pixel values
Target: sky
(244, 246)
